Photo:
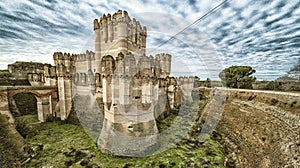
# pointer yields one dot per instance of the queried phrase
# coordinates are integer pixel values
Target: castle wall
(20, 70)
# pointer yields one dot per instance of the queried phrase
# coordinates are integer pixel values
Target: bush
(273, 85)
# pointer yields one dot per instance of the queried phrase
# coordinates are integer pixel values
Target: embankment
(260, 128)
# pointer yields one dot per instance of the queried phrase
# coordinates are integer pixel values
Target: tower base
(116, 142)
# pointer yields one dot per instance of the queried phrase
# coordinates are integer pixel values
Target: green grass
(29, 119)
(59, 144)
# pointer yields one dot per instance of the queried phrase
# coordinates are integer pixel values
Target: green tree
(208, 83)
(238, 77)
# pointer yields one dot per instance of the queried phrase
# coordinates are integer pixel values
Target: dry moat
(256, 129)
(65, 143)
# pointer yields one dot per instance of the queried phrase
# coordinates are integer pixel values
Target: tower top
(118, 33)
(119, 16)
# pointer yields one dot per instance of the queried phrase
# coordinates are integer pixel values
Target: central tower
(118, 33)
(134, 88)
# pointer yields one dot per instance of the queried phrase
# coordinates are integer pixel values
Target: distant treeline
(259, 85)
(277, 85)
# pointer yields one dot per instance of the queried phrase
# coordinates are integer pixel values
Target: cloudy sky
(264, 34)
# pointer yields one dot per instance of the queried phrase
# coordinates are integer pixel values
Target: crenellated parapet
(88, 56)
(185, 80)
(64, 64)
(119, 17)
(65, 59)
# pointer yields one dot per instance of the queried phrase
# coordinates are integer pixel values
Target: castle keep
(134, 89)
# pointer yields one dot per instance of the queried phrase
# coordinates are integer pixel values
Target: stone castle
(134, 88)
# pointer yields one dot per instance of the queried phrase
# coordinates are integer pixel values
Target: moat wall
(261, 128)
(13, 148)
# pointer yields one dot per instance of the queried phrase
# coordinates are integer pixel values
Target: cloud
(263, 34)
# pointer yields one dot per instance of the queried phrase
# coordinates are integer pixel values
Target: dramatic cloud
(263, 34)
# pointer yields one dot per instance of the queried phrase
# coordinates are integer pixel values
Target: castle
(134, 88)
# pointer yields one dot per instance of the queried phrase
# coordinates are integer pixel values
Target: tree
(238, 77)
(207, 83)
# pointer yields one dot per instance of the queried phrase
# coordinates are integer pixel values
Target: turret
(66, 59)
(104, 28)
(118, 15)
(110, 32)
(97, 39)
(144, 35)
(55, 58)
(96, 24)
(168, 64)
(145, 66)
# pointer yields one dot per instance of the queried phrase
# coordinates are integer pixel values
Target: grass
(59, 144)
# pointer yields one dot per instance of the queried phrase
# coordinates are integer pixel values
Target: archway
(26, 104)
(42, 100)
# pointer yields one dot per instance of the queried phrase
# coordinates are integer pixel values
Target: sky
(264, 34)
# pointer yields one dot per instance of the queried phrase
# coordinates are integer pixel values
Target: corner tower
(118, 33)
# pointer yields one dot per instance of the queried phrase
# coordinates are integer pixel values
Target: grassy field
(57, 144)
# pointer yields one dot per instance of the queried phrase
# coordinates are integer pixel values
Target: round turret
(119, 15)
(66, 56)
(108, 17)
(103, 19)
(96, 24)
(55, 56)
(60, 56)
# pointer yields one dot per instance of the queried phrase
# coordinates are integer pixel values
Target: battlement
(185, 80)
(119, 16)
(163, 56)
(88, 55)
(69, 59)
